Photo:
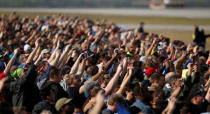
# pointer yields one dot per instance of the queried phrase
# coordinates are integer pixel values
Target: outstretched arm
(32, 54)
(148, 52)
(180, 61)
(54, 62)
(113, 81)
(207, 97)
(125, 81)
(76, 64)
(107, 65)
(81, 67)
(99, 103)
(37, 53)
(53, 54)
(11, 62)
(63, 56)
(171, 106)
(31, 37)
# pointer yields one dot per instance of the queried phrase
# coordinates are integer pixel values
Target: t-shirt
(2, 66)
(107, 111)
(78, 99)
(2, 75)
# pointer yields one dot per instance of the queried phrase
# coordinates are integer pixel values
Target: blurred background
(101, 3)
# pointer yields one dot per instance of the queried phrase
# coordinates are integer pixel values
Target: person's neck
(110, 107)
(52, 80)
(139, 98)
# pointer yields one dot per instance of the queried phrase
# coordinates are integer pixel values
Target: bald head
(169, 76)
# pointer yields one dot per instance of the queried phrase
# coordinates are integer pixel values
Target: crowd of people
(57, 64)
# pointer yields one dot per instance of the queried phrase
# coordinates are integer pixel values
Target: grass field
(119, 19)
(185, 36)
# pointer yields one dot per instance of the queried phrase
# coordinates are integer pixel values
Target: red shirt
(2, 75)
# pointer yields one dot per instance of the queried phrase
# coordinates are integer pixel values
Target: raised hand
(189, 65)
(130, 70)
(38, 42)
(82, 54)
(101, 68)
(115, 55)
(58, 52)
(119, 68)
(58, 43)
(170, 107)
(34, 33)
(154, 41)
(17, 50)
(142, 44)
(67, 48)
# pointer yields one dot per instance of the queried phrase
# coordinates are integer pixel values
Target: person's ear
(126, 92)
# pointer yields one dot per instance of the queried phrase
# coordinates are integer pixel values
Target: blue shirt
(146, 109)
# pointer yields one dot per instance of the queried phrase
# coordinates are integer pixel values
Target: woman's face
(105, 81)
(130, 95)
(157, 98)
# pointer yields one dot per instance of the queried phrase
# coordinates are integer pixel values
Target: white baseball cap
(27, 47)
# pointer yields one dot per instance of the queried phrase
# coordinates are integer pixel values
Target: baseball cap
(149, 71)
(27, 47)
(61, 102)
(143, 58)
(17, 73)
(196, 92)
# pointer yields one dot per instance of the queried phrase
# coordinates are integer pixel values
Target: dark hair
(92, 70)
(155, 76)
(116, 98)
(45, 91)
(53, 72)
(94, 91)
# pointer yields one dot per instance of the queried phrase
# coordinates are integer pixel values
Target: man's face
(130, 95)
(77, 82)
(155, 59)
(162, 81)
(157, 99)
(58, 78)
(68, 109)
(197, 100)
(131, 49)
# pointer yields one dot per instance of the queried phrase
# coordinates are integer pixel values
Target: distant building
(162, 4)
